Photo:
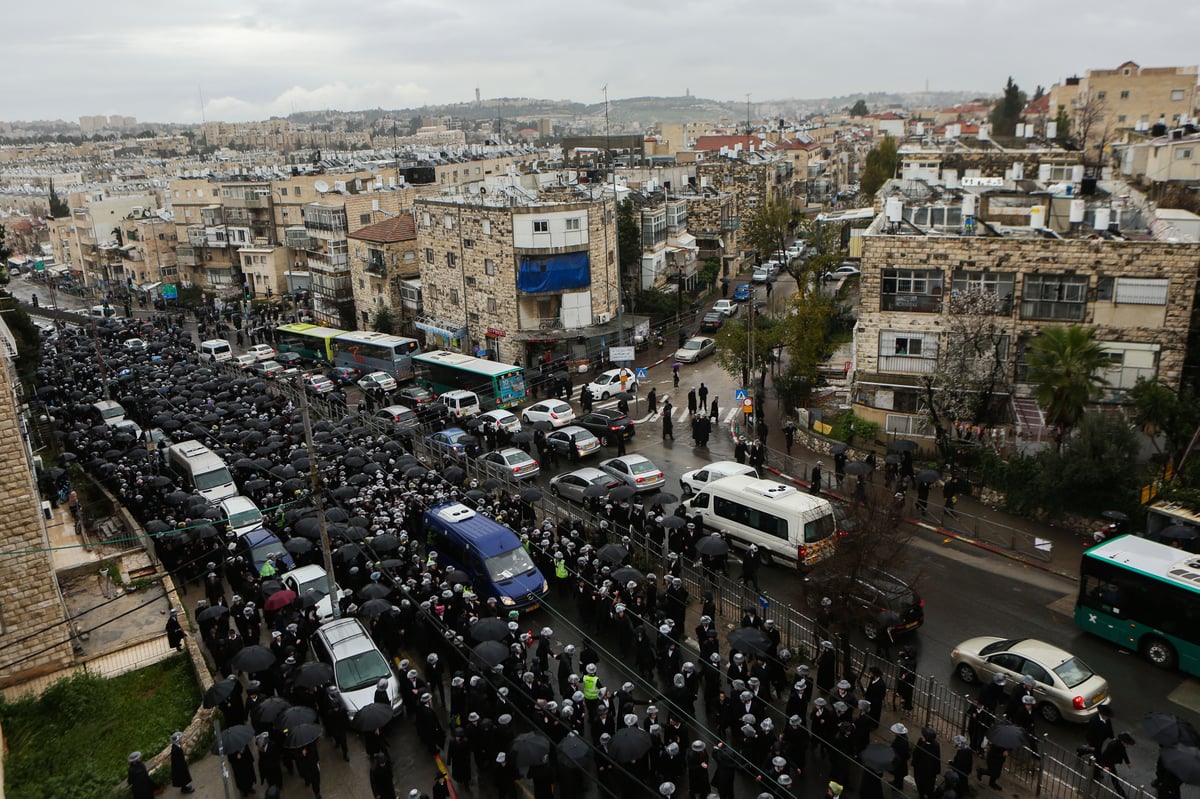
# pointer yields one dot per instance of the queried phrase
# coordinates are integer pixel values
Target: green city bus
(1144, 596)
(499, 385)
(313, 342)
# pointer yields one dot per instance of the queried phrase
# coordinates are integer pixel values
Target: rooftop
(389, 231)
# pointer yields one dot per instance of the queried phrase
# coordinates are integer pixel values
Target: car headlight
(507, 601)
(545, 585)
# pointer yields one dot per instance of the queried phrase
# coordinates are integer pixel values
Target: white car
(400, 415)
(608, 383)
(135, 344)
(241, 514)
(244, 361)
(506, 421)
(378, 380)
(318, 384)
(516, 462)
(727, 307)
(262, 352)
(635, 471)
(556, 412)
(303, 579)
(696, 479)
(695, 348)
(843, 271)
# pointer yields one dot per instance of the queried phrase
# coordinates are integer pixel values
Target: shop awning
(441, 328)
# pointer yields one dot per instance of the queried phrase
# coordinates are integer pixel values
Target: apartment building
(1171, 158)
(148, 250)
(1049, 256)
(385, 272)
(1129, 96)
(516, 273)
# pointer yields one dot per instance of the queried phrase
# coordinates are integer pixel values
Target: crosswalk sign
(740, 394)
(640, 373)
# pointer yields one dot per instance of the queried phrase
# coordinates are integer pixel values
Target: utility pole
(612, 181)
(318, 492)
(749, 130)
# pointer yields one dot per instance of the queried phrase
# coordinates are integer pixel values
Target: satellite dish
(321, 186)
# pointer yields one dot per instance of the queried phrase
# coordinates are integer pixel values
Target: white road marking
(729, 416)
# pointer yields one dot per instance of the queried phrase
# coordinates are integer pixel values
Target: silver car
(512, 461)
(695, 348)
(574, 485)
(635, 471)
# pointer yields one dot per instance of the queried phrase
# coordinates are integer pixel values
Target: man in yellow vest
(591, 690)
(561, 575)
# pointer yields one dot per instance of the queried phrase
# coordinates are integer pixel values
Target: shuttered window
(1141, 291)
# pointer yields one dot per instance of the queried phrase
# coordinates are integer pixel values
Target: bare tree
(972, 360)
(1090, 124)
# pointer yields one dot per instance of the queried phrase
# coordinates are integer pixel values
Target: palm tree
(1064, 363)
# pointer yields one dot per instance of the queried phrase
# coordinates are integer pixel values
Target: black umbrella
(309, 527)
(336, 515)
(295, 716)
(673, 522)
(530, 748)
(301, 736)
(712, 545)
(1177, 532)
(1183, 762)
(385, 543)
(219, 691)
(491, 629)
(629, 744)
(904, 445)
(177, 498)
(373, 591)
(1115, 516)
(574, 751)
(662, 498)
(749, 639)
(212, 613)
(489, 653)
(374, 608)
(298, 546)
(372, 717)
(454, 474)
(233, 739)
(253, 658)
(313, 674)
(293, 485)
(159, 481)
(492, 483)
(595, 491)
(627, 573)
(612, 554)
(1168, 729)
(543, 425)
(858, 467)
(1006, 736)
(838, 449)
(457, 577)
(893, 459)
(523, 437)
(156, 526)
(929, 475)
(265, 712)
(415, 472)
(344, 492)
(531, 494)
(622, 493)
(877, 757)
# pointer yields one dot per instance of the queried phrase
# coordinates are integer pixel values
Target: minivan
(216, 350)
(693, 481)
(787, 525)
(111, 413)
(460, 403)
(358, 664)
(200, 469)
(490, 553)
(102, 312)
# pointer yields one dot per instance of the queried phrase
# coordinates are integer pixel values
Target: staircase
(1029, 420)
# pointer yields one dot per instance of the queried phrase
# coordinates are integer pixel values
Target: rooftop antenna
(616, 244)
(748, 128)
(203, 122)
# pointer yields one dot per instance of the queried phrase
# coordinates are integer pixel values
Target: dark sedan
(345, 375)
(712, 322)
(603, 423)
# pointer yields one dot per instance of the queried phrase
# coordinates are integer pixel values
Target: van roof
(488, 536)
(770, 490)
(214, 342)
(459, 392)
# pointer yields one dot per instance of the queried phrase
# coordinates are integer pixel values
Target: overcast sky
(251, 59)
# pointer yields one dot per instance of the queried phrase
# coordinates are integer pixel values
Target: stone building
(34, 636)
(383, 259)
(514, 274)
(1049, 260)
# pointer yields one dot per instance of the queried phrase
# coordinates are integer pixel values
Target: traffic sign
(740, 394)
(169, 291)
(640, 373)
(618, 354)
(39, 266)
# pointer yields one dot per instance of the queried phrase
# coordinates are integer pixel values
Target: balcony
(913, 303)
(907, 365)
(196, 237)
(297, 238)
(328, 262)
(186, 256)
(253, 199)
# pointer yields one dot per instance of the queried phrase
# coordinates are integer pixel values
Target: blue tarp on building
(554, 273)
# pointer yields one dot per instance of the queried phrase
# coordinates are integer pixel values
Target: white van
(216, 350)
(693, 481)
(460, 403)
(111, 413)
(788, 525)
(102, 312)
(200, 469)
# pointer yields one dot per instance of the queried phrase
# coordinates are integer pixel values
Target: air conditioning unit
(603, 318)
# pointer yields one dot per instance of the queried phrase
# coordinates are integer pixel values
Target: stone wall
(29, 597)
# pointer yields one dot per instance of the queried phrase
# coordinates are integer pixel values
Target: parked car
(603, 422)
(240, 514)
(448, 440)
(609, 382)
(762, 274)
(515, 462)
(845, 270)
(695, 349)
(400, 415)
(635, 471)
(135, 344)
(244, 361)
(1065, 687)
(262, 352)
(711, 322)
(876, 601)
(556, 412)
(318, 384)
(313, 578)
(267, 369)
(258, 544)
(572, 485)
(381, 381)
(507, 421)
(344, 375)
(741, 293)
(290, 360)
(561, 441)
(726, 307)
(415, 396)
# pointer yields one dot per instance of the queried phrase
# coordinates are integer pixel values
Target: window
(425, 220)
(1054, 297)
(1183, 154)
(468, 243)
(491, 304)
(451, 259)
(448, 222)
(364, 219)
(283, 191)
(1141, 291)
(1177, 94)
(473, 317)
(1101, 95)
(428, 255)
(999, 283)
(907, 346)
(573, 223)
(1120, 117)
(1125, 94)
(489, 266)
(470, 280)
(487, 227)
(454, 296)
(916, 290)
(541, 226)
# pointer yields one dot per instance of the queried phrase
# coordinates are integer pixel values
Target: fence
(1051, 771)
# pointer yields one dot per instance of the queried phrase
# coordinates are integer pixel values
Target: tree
(1007, 110)
(1038, 93)
(1089, 114)
(803, 330)
(1062, 121)
(1064, 363)
(971, 366)
(732, 344)
(58, 207)
(5, 249)
(383, 321)
(879, 168)
(823, 244)
(769, 228)
(629, 242)
(859, 109)
(1162, 412)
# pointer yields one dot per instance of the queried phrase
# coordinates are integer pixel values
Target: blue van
(490, 553)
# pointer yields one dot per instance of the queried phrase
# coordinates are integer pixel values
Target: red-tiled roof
(389, 231)
(711, 143)
(1039, 106)
(798, 144)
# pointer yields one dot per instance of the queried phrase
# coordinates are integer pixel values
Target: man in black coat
(381, 777)
(926, 763)
(175, 633)
(181, 775)
(140, 784)
(429, 728)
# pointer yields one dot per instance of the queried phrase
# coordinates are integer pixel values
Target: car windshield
(559, 408)
(514, 458)
(509, 565)
(217, 477)
(361, 671)
(504, 418)
(692, 345)
(246, 518)
(605, 379)
(265, 547)
(318, 584)
(999, 646)
(1073, 672)
(115, 412)
(600, 480)
(641, 467)
(418, 393)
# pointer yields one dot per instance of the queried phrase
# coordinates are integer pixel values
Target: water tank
(919, 129)
(1018, 170)
(1043, 173)
(894, 208)
(1077, 173)
(1037, 217)
(1029, 131)
(985, 133)
(1051, 130)
(950, 178)
(1101, 219)
(1020, 130)
(1078, 211)
(968, 205)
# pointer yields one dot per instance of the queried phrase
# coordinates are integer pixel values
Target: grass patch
(86, 726)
